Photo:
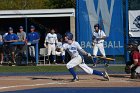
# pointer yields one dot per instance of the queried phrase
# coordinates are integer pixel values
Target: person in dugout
(10, 38)
(133, 66)
(33, 36)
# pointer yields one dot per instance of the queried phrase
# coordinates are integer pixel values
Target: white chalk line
(33, 85)
(13, 79)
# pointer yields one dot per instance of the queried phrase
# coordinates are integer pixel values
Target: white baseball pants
(51, 49)
(78, 61)
(99, 46)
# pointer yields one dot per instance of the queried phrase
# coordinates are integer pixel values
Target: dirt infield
(13, 83)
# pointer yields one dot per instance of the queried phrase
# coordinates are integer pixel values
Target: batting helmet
(69, 35)
(97, 25)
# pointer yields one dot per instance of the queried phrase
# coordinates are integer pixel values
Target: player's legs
(90, 70)
(101, 48)
(32, 53)
(72, 63)
(93, 72)
(53, 52)
(49, 52)
(95, 50)
(63, 56)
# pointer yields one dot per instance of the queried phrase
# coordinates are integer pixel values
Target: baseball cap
(10, 29)
(32, 27)
(20, 27)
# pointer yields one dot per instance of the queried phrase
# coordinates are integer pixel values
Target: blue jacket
(11, 37)
(32, 36)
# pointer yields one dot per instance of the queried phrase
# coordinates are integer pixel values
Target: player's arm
(46, 41)
(56, 40)
(82, 50)
(15, 38)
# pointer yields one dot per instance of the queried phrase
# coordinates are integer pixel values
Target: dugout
(61, 20)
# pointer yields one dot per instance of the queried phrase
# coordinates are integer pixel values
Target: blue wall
(109, 14)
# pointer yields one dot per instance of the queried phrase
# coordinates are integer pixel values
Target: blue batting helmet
(69, 35)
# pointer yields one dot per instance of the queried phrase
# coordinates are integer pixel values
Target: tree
(35, 4)
(59, 4)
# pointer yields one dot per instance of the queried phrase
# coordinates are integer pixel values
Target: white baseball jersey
(72, 48)
(76, 58)
(100, 34)
(59, 45)
(98, 44)
(51, 38)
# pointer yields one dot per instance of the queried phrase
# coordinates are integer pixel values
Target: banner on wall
(134, 23)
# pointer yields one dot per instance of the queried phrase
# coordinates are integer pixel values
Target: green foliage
(60, 4)
(35, 4)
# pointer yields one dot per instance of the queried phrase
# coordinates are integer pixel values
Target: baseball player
(59, 46)
(32, 37)
(50, 43)
(134, 63)
(10, 38)
(22, 38)
(98, 42)
(73, 49)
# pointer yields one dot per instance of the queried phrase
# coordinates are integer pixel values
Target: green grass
(116, 68)
(47, 68)
(33, 69)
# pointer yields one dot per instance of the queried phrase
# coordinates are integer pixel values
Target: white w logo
(105, 13)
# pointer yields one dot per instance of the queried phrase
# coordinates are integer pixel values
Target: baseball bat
(106, 58)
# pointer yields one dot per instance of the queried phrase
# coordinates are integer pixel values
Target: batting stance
(50, 43)
(133, 66)
(98, 41)
(73, 49)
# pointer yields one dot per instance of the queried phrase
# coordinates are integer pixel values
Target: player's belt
(98, 42)
(51, 43)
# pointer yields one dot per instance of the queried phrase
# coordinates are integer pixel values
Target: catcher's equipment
(69, 35)
(127, 69)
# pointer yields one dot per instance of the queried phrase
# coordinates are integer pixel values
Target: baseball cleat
(106, 76)
(94, 65)
(75, 79)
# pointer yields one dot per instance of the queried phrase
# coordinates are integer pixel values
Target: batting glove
(88, 54)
